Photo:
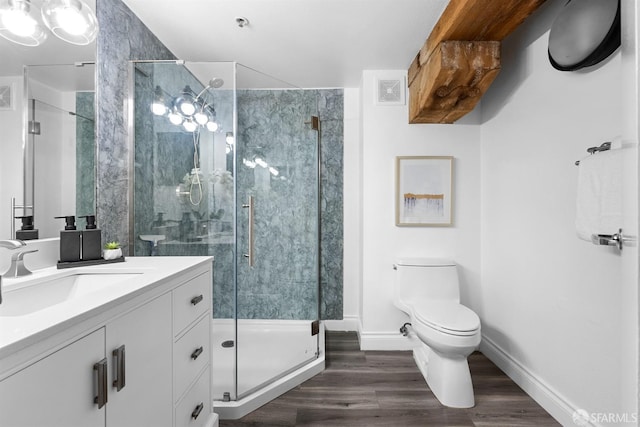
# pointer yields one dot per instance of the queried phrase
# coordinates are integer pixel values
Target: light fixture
(186, 102)
(205, 113)
(188, 109)
(70, 20)
(159, 105)
(241, 21)
(190, 125)
(175, 117)
(249, 163)
(229, 138)
(201, 117)
(19, 23)
(259, 161)
(273, 171)
(212, 125)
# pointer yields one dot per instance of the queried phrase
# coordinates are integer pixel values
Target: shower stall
(227, 163)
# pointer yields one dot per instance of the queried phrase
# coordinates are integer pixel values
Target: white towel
(599, 200)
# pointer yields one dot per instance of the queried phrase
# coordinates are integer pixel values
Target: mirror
(50, 80)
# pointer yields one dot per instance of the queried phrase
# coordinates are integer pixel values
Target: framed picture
(424, 191)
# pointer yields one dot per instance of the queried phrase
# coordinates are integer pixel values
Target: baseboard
(348, 323)
(393, 341)
(372, 340)
(541, 392)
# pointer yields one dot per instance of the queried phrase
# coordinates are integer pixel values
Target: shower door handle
(249, 255)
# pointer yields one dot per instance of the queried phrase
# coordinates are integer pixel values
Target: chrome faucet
(17, 268)
(12, 244)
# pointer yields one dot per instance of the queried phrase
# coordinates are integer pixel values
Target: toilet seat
(447, 317)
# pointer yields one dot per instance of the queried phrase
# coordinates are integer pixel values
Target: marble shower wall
(122, 37)
(85, 153)
(271, 125)
(331, 113)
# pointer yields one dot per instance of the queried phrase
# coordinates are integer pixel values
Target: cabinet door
(57, 391)
(146, 398)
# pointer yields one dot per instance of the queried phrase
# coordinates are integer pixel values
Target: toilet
(427, 290)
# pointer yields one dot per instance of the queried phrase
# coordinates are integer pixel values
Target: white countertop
(17, 332)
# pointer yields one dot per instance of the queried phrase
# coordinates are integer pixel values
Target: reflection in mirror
(60, 149)
(13, 115)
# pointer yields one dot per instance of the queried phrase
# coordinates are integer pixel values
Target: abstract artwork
(424, 190)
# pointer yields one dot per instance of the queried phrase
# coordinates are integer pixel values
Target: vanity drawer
(190, 301)
(191, 353)
(195, 408)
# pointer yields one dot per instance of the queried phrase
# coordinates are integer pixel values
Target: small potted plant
(112, 250)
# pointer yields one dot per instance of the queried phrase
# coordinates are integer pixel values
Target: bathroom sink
(42, 294)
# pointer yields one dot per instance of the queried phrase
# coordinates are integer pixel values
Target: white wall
(352, 265)
(386, 134)
(11, 148)
(555, 310)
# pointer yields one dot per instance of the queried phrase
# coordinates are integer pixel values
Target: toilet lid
(448, 317)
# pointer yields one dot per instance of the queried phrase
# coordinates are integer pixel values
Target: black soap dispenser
(91, 240)
(27, 231)
(70, 239)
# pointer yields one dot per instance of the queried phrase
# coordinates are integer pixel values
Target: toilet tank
(432, 278)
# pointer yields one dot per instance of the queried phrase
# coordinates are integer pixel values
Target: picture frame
(424, 191)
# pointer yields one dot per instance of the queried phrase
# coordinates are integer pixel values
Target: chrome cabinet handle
(100, 381)
(196, 300)
(197, 410)
(119, 368)
(249, 255)
(197, 352)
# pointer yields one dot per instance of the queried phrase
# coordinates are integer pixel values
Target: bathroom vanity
(126, 344)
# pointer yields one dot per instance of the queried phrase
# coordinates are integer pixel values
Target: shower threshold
(235, 409)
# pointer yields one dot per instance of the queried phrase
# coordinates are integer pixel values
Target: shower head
(216, 82)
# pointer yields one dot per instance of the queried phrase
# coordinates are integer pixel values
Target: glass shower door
(277, 229)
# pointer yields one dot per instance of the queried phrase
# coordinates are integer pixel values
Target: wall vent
(6, 97)
(390, 91)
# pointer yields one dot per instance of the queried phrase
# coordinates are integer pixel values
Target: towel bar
(618, 239)
(592, 150)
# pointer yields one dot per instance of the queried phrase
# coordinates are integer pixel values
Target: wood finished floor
(385, 388)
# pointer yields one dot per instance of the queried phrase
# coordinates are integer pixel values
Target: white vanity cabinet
(145, 362)
(192, 352)
(139, 382)
(57, 390)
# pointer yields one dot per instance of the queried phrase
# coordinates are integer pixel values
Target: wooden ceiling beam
(446, 80)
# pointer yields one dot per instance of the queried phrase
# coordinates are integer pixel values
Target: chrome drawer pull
(196, 412)
(197, 352)
(100, 380)
(196, 300)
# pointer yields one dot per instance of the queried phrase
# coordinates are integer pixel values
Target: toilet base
(448, 378)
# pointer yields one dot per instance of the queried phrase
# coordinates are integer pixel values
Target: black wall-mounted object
(585, 33)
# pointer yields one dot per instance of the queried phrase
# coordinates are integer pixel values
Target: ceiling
(307, 43)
